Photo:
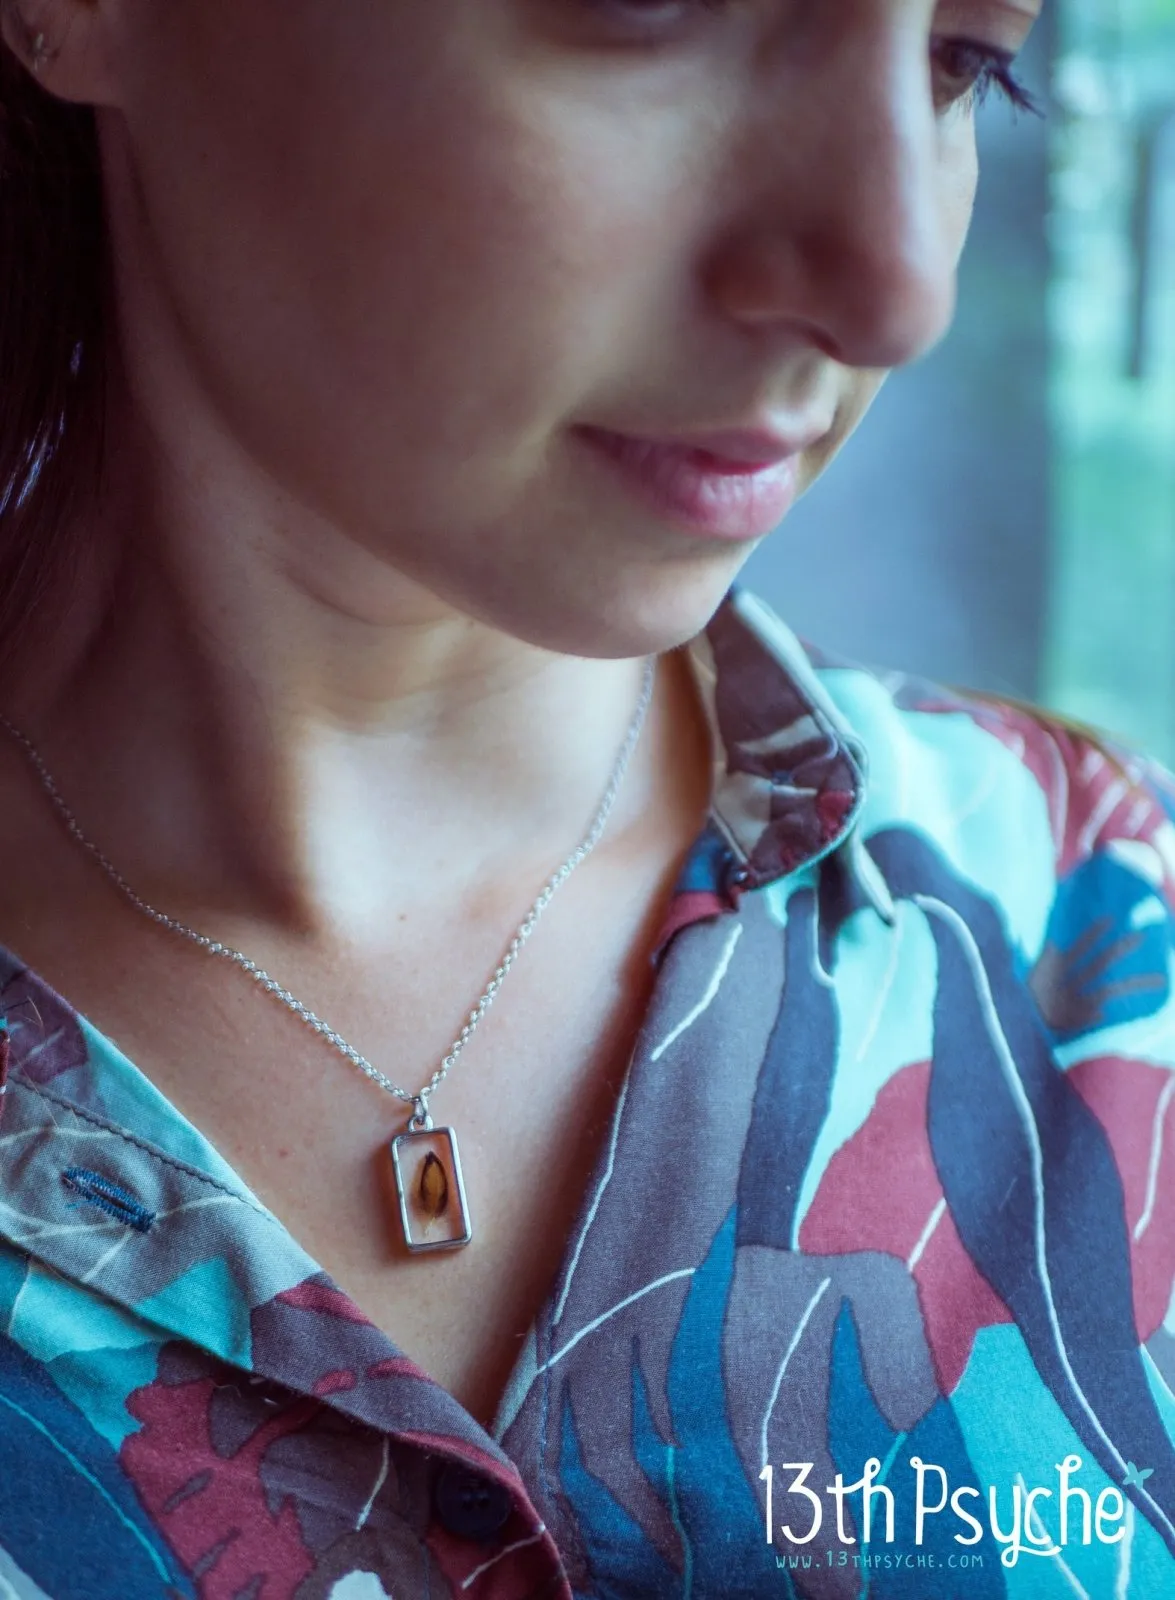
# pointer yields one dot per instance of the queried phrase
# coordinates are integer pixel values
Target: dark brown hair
(52, 293)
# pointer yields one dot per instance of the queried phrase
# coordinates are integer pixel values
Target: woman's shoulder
(1007, 762)
(992, 802)
(975, 770)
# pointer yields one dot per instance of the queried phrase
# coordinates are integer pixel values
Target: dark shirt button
(736, 878)
(469, 1505)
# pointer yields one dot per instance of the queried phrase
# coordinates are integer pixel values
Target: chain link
(420, 1117)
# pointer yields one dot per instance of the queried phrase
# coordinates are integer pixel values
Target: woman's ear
(66, 45)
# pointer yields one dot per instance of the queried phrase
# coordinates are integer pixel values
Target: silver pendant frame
(453, 1168)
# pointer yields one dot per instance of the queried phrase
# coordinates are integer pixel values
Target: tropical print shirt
(869, 1294)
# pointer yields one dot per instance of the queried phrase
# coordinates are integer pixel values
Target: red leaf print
(881, 1191)
(1133, 1103)
(314, 1295)
(212, 1508)
(471, 1572)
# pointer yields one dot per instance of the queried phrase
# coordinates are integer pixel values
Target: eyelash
(994, 72)
(993, 67)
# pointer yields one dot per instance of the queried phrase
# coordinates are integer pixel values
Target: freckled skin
(417, 243)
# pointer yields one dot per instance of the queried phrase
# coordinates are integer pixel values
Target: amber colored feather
(432, 1187)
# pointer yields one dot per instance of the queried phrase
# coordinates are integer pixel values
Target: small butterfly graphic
(1135, 1474)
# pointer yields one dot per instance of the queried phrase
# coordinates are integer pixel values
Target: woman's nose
(847, 210)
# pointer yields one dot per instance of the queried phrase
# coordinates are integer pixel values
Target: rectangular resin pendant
(430, 1188)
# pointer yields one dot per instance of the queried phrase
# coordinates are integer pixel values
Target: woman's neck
(238, 740)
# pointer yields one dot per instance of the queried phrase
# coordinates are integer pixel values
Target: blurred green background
(1109, 646)
(1005, 517)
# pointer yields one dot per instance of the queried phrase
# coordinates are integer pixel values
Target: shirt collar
(790, 773)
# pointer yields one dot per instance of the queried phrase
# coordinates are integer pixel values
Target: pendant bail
(420, 1121)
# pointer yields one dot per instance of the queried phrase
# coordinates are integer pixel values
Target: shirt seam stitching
(19, 1080)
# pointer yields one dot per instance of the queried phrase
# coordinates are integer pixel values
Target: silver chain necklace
(434, 1212)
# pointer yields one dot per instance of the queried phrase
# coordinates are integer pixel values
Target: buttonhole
(96, 1190)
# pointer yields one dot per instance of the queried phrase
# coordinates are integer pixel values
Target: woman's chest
(529, 1099)
(527, 1145)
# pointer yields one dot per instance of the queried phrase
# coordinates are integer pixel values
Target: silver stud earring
(41, 53)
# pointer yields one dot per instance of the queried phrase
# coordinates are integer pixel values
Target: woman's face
(410, 249)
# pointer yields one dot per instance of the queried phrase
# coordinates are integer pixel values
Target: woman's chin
(611, 617)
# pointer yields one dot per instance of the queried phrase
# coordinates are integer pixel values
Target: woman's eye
(966, 70)
(971, 70)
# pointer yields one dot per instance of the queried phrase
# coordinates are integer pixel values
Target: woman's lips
(707, 494)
